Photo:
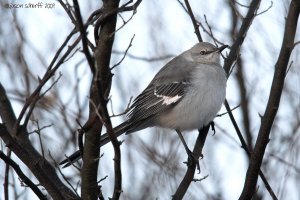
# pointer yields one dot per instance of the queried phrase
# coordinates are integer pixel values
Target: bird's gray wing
(154, 100)
(165, 90)
(179, 69)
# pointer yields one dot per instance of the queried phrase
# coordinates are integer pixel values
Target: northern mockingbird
(186, 94)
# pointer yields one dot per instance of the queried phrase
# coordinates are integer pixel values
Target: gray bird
(186, 94)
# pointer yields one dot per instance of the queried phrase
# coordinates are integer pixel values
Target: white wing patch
(166, 100)
(169, 100)
(156, 99)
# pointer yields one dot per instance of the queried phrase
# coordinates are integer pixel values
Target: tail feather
(119, 130)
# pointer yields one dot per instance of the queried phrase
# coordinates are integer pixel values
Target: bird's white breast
(201, 102)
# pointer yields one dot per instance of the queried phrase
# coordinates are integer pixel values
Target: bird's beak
(220, 49)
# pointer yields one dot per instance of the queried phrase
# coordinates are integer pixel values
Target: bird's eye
(202, 52)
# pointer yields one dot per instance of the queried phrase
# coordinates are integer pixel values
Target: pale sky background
(46, 29)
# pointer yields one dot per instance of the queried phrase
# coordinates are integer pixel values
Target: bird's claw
(192, 159)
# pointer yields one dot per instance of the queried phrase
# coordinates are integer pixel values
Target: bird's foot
(193, 160)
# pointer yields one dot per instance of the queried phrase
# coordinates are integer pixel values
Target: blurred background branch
(34, 56)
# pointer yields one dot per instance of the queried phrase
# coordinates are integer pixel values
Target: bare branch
(289, 67)
(62, 174)
(232, 109)
(6, 178)
(273, 102)
(296, 43)
(266, 10)
(195, 24)
(210, 33)
(22, 176)
(68, 11)
(84, 38)
(40, 128)
(49, 73)
(235, 48)
(118, 63)
(124, 22)
(240, 4)
(36, 99)
(200, 179)
(189, 175)
(125, 110)
(110, 13)
(245, 147)
(22, 147)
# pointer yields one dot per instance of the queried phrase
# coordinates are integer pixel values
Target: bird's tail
(119, 130)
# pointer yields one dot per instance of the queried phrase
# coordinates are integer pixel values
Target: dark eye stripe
(205, 52)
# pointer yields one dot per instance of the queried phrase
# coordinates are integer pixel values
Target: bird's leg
(191, 157)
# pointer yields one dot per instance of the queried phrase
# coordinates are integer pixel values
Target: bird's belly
(196, 110)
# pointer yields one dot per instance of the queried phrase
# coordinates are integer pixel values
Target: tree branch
(100, 90)
(246, 148)
(235, 48)
(103, 78)
(22, 176)
(23, 148)
(189, 175)
(6, 178)
(81, 29)
(194, 21)
(273, 102)
(110, 13)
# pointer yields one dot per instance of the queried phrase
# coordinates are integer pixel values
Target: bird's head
(204, 52)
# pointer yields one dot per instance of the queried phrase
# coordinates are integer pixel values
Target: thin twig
(84, 38)
(200, 179)
(49, 73)
(95, 15)
(289, 164)
(235, 48)
(118, 63)
(195, 24)
(68, 11)
(104, 16)
(236, 11)
(72, 54)
(232, 109)
(273, 101)
(40, 138)
(6, 178)
(240, 4)
(36, 99)
(102, 179)
(125, 110)
(62, 174)
(22, 176)
(289, 67)
(50, 70)
(124, 23)
(40, 128)
(201, 25)
(210, 33)
(245, 147)
(296, 43)
(266, 10)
